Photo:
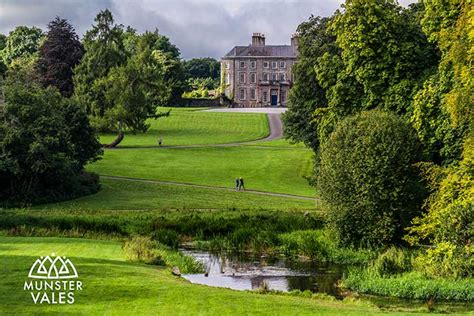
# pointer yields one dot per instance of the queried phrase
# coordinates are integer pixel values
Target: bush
(448, 223)
(145, 250)
(392, 261)
(367, 179)
(142, 249)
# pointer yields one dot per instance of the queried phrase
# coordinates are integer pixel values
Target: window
(266, 77)
(265, 96)
(283, 96)
(242, 94)
(265, 64)
(242, 77)
(253, 64)
(227, 66)
(274, 77)
(252, 94)
(274, 65)
(282, 77)
(253, 77)
(282, 64)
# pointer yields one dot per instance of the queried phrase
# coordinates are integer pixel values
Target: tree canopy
(58, 55)
(23, 41)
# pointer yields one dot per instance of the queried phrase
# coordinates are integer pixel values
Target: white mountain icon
(56, 268)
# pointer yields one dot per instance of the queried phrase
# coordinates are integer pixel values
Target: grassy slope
(124, 195)
(114, 286)
(191, 126)
(272, 169)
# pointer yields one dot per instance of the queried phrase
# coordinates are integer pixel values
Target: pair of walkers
(239, 184)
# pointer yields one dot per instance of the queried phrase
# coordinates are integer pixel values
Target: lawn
(127, 195)
(192, 126)
(113, 286)
(264, 169)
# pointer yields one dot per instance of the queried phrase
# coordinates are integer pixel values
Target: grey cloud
(197, 27)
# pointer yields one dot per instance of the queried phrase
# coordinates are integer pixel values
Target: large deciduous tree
(45, 142)
(23, 41)
(307, 94)
(58, 55)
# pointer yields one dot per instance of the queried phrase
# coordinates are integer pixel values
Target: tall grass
(411, 285)
(144, 249)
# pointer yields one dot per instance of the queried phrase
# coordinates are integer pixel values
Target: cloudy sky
(198, 27)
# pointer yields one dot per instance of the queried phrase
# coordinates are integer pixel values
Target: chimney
(258, 39)
(294, 40)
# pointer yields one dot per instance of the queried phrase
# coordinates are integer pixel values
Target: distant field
(192, 126)
(271, 170)
(124, 195)
(113, 286)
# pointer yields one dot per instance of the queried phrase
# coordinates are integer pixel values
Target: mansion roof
(262, 51)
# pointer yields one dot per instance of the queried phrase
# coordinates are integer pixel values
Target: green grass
(192, 126)
(410, 285)
(271, 170)
(127, 195)
(112, 285)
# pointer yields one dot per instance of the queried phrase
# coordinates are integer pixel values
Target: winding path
(276, 132)
(184, 184)
(274, 124)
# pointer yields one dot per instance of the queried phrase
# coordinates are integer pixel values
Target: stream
(246, 272)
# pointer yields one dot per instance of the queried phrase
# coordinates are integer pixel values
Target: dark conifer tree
(58, 56)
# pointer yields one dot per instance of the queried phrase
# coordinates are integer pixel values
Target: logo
(52, 280)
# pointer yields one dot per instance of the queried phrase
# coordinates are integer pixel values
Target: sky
(200, 28)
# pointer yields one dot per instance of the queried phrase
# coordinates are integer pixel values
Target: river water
(245, 272)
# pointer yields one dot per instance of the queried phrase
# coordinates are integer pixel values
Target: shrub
(448, 223)
(145, 250)
(367, 179)
(142, 249)
(392, 261)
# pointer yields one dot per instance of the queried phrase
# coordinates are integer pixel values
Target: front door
(274, 97)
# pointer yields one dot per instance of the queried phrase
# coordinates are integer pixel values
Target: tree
(45, 142)
(307, 94)
(383, 46)
(444, 118)
(104, 50)
(58, 55)
(367, 179)
(23, 41)
(202, 68)
(133, 90)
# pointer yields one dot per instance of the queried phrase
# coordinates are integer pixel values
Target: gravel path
(184, 184)
(248, 110)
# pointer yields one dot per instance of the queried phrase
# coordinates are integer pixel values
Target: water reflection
(245, 272)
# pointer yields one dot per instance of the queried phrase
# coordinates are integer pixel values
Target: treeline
(58, 91)
(384, 96)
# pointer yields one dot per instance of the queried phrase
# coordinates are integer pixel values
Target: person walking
(237, 184)
(160, 141)
(241, 184)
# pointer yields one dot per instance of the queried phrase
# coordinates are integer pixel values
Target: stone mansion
(259, 75)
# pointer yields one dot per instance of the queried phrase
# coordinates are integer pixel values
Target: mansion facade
(259, 75)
